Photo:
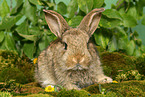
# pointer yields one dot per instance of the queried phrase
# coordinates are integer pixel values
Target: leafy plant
(23, 27)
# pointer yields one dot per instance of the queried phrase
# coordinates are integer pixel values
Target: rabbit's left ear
(56, 22)
(90, 22)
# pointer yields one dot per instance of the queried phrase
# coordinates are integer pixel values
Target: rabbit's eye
(65, 46)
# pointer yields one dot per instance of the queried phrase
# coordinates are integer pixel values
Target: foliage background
(23, 27)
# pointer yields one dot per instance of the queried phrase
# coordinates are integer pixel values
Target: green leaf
(143, 20)
(129, 21)
(9, 42)
(137, 53)
(62, 8)
(75, 21)
(130, 47)
(29, 37)
(122, 42)
(112, 13)
(23, 31)
(23, 28)
(101, 40)
(44, 42)
(29, 49)
(34, 31)
(72, 8)
(35, 2)
(66, 2)
(4, 9)
(85, 5)
(18, 4)
(112, 46)
(98, 3)
(9, 21)
(132, 11)
(2, 36)
(109, 22)
(30, 12)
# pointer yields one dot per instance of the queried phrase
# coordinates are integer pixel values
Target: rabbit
(71, 61)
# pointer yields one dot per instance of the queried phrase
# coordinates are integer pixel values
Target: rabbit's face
(76, 56)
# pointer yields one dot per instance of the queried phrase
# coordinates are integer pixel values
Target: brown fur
(77, 66)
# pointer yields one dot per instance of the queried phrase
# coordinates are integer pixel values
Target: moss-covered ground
(16, 78)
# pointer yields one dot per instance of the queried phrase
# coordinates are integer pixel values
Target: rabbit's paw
(70, 87)
(105, 79)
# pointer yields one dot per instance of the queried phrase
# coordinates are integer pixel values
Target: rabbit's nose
(78, 65)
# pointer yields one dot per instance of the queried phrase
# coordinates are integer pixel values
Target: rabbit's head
(76, 54)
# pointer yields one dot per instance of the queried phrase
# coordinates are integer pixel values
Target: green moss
(125, 89)
(140, 64)
(73, 93)
(114, 62)
(12, 73)
(5, 94)
(11, 59)
(108, 94)
(36, 95)
(130, 75)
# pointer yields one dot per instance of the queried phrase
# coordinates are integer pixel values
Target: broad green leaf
(18, 4)
(112, 46)
(143, 20)
(4, 9)
(85, 5)
(29, 49)
(62, 8)
(23, 31)
(34, 31)
(109, 22)
(139, 6)
(35, 2)
(137, 53)
(29, 37)
(72, 8)
(23, 28)
(132, 11)
(30, 12)
(75, 21)
(9, 21)
(44, 42)
(98, 3)
(2, 36)
(112, 13)
(101, 40)
(122, 42)
(130, 47)
(66, 2)
(9, 42)
(129, 21)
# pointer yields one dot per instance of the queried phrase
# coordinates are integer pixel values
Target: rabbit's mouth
(78, 67)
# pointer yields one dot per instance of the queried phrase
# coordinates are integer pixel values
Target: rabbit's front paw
(70, 87)
(105, 79)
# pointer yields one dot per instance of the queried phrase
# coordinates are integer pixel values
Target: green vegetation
(23, 27)
(24, 34)
(114, 62)
(14, 67)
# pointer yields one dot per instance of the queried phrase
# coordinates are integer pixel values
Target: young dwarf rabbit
(71, 61)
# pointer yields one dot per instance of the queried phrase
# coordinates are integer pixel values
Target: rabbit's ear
(90, 22)
(56, 22)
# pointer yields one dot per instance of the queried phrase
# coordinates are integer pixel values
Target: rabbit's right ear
(56, 22)
(90, 22)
